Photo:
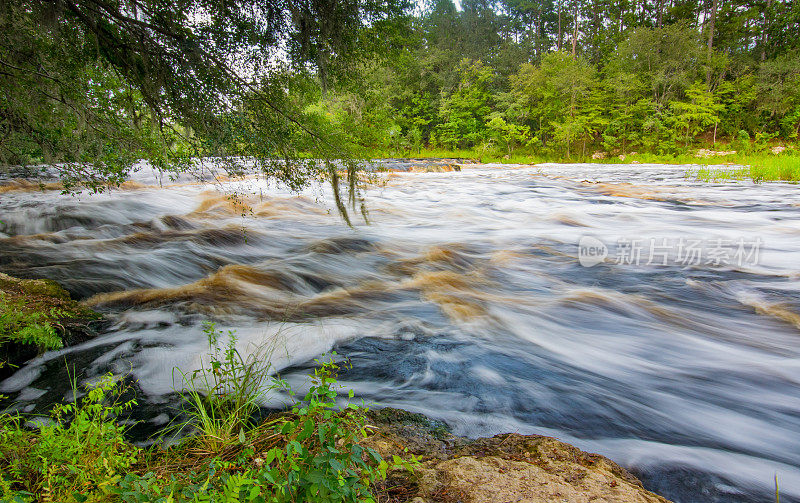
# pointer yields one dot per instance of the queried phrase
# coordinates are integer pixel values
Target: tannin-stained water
(464, 299)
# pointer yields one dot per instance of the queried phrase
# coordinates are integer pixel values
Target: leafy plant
(225, 392)
(79, 454)
(322, 459)
(25, 326)
(310, 453)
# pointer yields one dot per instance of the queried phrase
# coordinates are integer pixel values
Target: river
(468, 298)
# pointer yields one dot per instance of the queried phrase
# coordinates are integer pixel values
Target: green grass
(309, 453)
(758, 168)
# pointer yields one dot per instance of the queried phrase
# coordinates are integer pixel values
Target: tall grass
(225, 392)
(758, 168)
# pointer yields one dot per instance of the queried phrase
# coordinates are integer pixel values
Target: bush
(79, 454)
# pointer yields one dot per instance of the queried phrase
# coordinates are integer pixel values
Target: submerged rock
(507, 467)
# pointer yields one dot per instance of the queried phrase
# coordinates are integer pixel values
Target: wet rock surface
(504, 468)
(431, 165)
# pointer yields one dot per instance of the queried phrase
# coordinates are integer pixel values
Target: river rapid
(467, 298)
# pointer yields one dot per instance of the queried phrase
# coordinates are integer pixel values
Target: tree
(464, 113)
(97, 84)
(696, 115)
(558, 98)
(778, 90)
(509, 134)
(668, 60)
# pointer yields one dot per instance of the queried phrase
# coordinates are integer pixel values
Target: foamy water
(464, 299)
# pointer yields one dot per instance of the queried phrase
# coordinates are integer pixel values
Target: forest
(568, 78)
(95, 86)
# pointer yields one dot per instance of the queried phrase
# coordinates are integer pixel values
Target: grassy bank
(758, 167)
(311, 452)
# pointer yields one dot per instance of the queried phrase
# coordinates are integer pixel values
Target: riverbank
(772, 164)
(37, 315)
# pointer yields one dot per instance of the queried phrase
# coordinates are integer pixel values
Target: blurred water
(463, 299)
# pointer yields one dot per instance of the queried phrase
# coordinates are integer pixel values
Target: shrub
(79, 454)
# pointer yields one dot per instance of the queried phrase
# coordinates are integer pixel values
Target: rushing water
(464, 299)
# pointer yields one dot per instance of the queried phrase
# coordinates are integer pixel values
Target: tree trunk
(559, 27)
(711, 21)
(660, 13)
(575, 31)
(764, 30)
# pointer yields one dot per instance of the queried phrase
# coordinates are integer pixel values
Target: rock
(778, 149)
(435, 168)
(74, 322)
(430, 165)
(36, 287)
(508, 467)
(599, 155)
(622, 157)
(706, 153)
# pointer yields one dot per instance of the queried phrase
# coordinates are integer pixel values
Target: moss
(43, 295)
(37, 315)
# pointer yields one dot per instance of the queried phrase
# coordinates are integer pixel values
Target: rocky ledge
(505, 468)
(43, 301)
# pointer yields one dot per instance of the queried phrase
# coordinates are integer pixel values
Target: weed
(80, 453)
(224, 393)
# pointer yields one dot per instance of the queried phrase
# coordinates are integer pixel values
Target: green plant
(24, 326)
(311, 453)
(224, 393)
(78, 455)
(322, 459)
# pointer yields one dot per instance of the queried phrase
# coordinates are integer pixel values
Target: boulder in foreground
(505, 468)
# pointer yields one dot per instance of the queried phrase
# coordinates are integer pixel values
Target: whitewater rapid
(463, 298)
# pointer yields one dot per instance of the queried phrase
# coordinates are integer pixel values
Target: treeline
(571, 77)
(97, 86)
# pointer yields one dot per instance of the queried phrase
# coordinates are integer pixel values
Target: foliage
(695, 115)
(79, 454)
(310, 453)
(25, 326)
(465, 112)
(509, 134)
(223, 394)
(584, 76)
(91, 87)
